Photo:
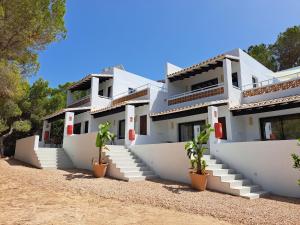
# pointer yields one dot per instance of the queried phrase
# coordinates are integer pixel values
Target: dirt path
(23, 201)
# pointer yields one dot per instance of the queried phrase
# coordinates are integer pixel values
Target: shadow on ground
(75, 174)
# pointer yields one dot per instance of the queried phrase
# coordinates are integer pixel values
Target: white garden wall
(168, 160)
(267, 163)
(82, 149)
(25, 150)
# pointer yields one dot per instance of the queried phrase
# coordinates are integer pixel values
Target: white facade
(183, 98)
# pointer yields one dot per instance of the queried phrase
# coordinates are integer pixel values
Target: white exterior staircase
(226, 180)
(124, 165)
(53, 158)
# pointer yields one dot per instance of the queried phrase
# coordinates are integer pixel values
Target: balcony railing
(206, 92)
(134, 93)
(271, 81)
(81, 101)
(272, 85)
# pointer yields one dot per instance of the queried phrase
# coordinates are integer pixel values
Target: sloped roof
(202, 66)
(186, 108)
(85, 82)
(62, 111)
(269, 102)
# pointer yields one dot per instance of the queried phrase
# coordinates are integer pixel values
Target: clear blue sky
(145, 34)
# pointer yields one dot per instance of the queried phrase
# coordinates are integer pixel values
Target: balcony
(199, 94)
(272, 85)
(84, 101)
(273, 88)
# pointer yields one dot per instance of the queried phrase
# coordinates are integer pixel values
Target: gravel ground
(169, 195)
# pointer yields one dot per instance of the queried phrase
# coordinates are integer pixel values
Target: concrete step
(255, 195)
(220, 171)
(54, 158)
(227, 180)
(234, 183)
(141, 178)
(126, 166)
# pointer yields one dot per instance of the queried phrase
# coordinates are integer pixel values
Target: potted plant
(195, 150)
(103, 137)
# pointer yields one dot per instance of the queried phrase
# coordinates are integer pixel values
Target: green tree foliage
(283, 54)
(104, 136)
(287, 48)
(196, 148)
(27, 26)
(264, 55)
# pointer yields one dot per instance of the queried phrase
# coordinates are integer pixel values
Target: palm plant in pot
(195, 150)
(104, 136)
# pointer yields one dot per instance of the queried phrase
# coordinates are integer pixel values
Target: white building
(253, 102)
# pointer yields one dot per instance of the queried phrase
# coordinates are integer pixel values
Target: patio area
(33, 196)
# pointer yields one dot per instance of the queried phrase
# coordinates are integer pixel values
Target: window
(143, 125)
(235, 81)
(205, 84)
(121, 131)
(100, 92)
(222, 120)
(86, 127)
(109, 92)
(280, 127)
(254, 82)
(188, 131)
(77, 128)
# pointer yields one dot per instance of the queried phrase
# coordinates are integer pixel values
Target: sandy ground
(33, 196)
(22, 202)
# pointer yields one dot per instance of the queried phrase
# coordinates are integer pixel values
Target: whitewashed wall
(82, 149)
(250, 67)
(25, 150)
(247, 127)
(167, 130)
(124, 79)
(169, 160)
(267, 163)
(82, 118)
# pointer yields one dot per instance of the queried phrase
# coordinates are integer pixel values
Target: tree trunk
(2, 138)
(100, 155)
(199, 171)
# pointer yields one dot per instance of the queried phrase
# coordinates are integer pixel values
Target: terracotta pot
(199, 182)
(99, 169)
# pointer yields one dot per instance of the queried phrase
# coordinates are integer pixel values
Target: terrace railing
(272, 85)
(206, 92)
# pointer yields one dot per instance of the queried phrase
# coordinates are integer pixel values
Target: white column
(212, 119)
(69, 97)
(94, 91)
(227, 78)
(229, 124)
(69, 120)
(129, 123)
(46, 127)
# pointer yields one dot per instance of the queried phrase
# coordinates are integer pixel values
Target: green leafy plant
(196, 148)
(104, 136)
(296, 159)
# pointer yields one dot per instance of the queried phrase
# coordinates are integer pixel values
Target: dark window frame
(101, 92)
(205, 84)
(281, 119)
(120, 136)
(109, 92)
(77, 128)
(235, 79)
(86, 127)
(254, 81)
(222, 120)
(198, 122)
(143, 130)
